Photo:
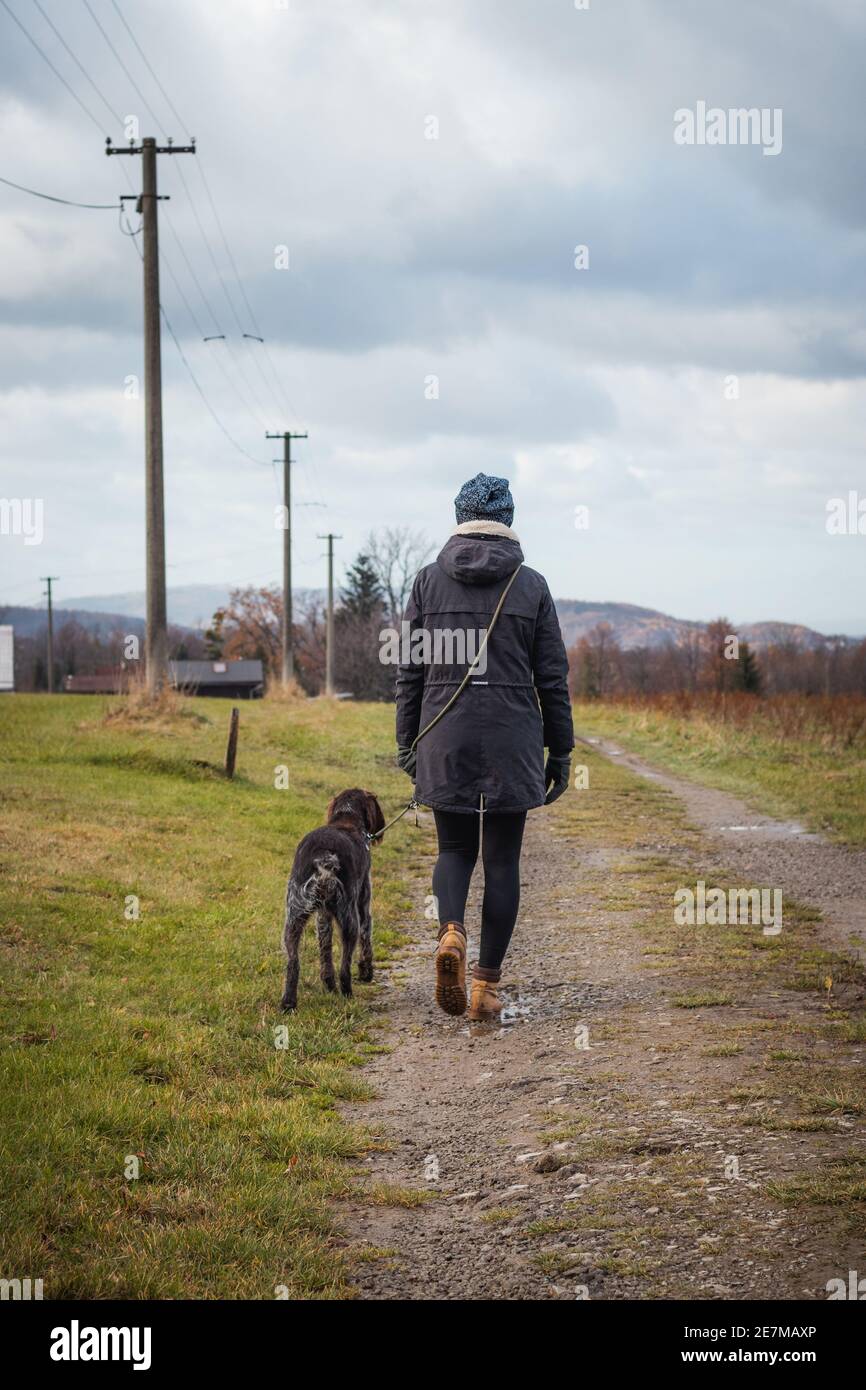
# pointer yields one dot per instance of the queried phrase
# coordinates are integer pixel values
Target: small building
(106, 682)
(235, 680)
(7, 657)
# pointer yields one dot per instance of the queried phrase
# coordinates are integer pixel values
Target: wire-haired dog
(331, 877)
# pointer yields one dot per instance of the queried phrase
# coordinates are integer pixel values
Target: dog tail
(323, 884)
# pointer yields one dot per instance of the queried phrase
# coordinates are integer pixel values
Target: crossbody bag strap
(478, 655)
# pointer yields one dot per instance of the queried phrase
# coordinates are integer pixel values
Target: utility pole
(288, 656)
(50, 579)
(329, 629)
(156, 637)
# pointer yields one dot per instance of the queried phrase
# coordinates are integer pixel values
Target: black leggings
(500, 855)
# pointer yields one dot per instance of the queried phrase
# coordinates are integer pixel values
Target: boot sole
(450, 995)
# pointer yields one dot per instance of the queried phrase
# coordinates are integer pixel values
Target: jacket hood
(475, 555)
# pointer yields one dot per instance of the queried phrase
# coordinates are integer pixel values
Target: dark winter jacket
(491, 742)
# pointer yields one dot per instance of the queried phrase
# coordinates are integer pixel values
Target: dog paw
(365, 974)
(287, 1006)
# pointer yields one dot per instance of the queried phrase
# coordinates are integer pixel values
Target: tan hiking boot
(486, 1005)
(451, 968)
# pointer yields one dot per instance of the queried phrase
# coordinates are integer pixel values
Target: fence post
(232, 748)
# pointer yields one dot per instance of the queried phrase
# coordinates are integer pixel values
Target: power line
(143, 57)
(140, 93)
(210, 250)
(88, 113)
(129, 231)
(281, 397)
(260, 462)
(49, 197)
(258, 408)
(198, 386)
(191, 269)
(169, 267)
(229, 378)
(50, 22)
(81, 67)
(232, 262)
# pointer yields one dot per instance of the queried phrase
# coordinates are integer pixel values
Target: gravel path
(624, 1169)
(760, 849)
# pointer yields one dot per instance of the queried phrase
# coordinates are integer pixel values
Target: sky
(391, 193)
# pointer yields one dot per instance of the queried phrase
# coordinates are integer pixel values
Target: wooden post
(232, 748)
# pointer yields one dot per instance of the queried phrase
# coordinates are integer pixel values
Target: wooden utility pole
(288, 656)
(329, 629)
(50, 579)
(156, 636)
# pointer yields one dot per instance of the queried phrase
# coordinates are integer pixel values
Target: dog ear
(330, 811)
(373, 813)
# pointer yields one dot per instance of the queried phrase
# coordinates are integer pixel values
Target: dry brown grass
(139, 709)
(278, 692)
(835, 723)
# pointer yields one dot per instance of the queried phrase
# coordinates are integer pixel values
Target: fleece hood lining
(485, 528)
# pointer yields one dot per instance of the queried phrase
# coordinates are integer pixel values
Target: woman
(486, 754)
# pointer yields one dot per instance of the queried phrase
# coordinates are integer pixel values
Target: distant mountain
(30, 622)
(646, 627)
(189, 605)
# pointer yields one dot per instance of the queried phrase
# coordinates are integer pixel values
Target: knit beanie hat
(485, 498)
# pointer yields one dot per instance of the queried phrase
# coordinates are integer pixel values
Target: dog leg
(365, 956)
(326, 958)
(347, 918)
(295, 923)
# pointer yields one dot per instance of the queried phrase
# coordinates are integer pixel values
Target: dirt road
(664, 1112)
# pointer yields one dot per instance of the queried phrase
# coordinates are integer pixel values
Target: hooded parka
(490, 744)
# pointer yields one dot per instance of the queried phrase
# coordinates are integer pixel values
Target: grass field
(151, 1043)
(790, 756)
(155, 1038)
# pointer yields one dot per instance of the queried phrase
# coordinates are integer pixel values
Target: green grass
(154, 1038)
(840, 1183)
(789, 760)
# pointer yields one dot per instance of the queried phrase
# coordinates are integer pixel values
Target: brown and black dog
(331, 877)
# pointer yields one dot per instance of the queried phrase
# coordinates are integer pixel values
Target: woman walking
(482, 763)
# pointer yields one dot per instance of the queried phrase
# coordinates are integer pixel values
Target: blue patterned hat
(485, 499)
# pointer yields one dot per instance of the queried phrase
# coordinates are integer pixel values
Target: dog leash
(410, 806)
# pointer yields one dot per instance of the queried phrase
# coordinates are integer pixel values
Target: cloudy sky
(430, 166)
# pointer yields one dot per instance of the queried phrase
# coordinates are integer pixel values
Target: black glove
(407, 759)
(556, 775)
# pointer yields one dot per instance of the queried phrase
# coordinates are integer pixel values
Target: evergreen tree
(750, 671)
(362, 596)
(215, 636)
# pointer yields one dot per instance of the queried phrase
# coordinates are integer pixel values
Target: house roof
(216, 672)
(102, 683)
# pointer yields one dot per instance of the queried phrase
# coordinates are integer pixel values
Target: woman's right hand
(407, 759)
(556, 775)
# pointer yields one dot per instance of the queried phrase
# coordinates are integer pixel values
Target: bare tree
(692, 646)
(594, 663)
(396, 554)
(309, 641)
